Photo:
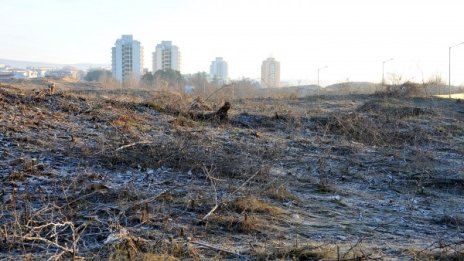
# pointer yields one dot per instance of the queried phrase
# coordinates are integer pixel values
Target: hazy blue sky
(351, 37)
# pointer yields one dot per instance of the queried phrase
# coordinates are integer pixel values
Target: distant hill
(368, 88)
(352, 87)
(312, 87)
(25, 64)
(296, 91)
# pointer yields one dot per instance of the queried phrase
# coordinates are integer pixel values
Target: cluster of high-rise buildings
(127, 62)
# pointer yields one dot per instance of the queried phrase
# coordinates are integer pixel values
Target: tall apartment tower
(127, 59)
(270, 73)
(166, 56)
(219, 70)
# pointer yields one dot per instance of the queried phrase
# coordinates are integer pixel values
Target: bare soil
(126, 175)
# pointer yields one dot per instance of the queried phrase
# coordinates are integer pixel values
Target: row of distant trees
(162, 78)
(172, 80)
(166, 77)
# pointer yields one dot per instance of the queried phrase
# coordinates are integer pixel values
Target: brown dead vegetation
(253, 205)
(380, 122)
(132, 175)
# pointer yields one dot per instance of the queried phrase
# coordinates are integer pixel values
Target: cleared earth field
(130, 175)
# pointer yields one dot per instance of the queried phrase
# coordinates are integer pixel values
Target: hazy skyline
(351, 37)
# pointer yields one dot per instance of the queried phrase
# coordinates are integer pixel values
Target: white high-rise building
(127, 59)
(219, 70)
(270, 73)
(166, 56)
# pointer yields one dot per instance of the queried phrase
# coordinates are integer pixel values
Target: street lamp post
(449, 68)
(318, 86)
(383, 70)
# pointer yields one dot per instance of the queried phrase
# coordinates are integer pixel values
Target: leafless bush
(407, 89)
(377, 122)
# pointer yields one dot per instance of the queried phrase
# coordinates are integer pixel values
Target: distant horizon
(351, 38)
(47, 62)
(302, 82)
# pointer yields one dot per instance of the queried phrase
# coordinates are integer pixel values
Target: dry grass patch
(155, 106)
(305, 252)
(123, 255)
(254, 205)
(133, 248)
(243, 224)
(280, 193)
(157, 257)
(443, 255)
(130, 122)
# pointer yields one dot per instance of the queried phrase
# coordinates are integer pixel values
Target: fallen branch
(223, 87)
(215, 247)
(132, 144)
(219, 115)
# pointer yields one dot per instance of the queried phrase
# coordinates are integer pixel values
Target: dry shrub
(407, 89)
(392, 109)
(378, 123)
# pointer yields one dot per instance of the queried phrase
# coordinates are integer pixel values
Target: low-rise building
(6, 75)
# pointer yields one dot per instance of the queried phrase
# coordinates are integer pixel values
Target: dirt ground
(127, 175)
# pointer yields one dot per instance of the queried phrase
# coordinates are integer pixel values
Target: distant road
(453, 96)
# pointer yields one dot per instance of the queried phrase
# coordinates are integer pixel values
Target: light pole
(449, 68)
(318, 72)
(383, 70)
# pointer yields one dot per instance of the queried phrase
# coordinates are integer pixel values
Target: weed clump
(254, 205)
